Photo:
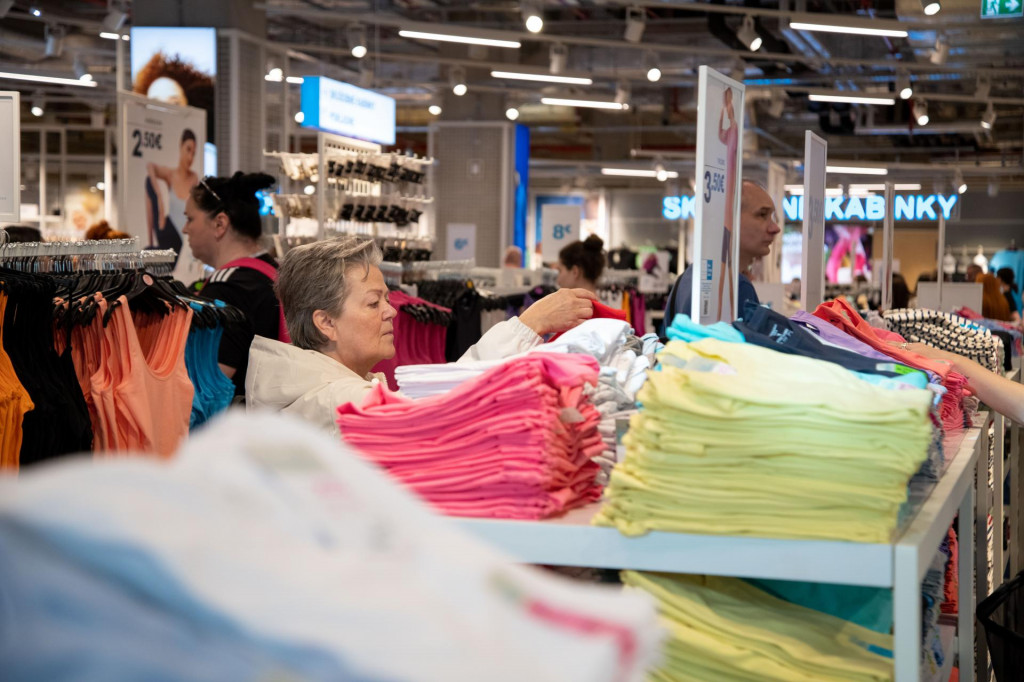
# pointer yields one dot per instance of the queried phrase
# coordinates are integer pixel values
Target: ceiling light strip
(449, 38)
(857, 170)
(542, 77)
(560, 102)
(852, 30)
(850, 99)
(636, 173)
(46, 79)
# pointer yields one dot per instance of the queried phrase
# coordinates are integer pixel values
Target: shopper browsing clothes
(340, 321)
(758, 228)
(222, 223)
(1001, 394)
(581, 263)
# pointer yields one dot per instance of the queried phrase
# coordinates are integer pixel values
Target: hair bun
(247, 184)
(593, 243)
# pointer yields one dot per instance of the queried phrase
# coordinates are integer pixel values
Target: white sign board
(461, 241)
(812, 283)
(952, 296)
(719, 174)
(560, 226)
(161, 160)
(10, 157)
(344, 109)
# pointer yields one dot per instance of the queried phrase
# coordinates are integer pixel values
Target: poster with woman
(160, 165)
(719, 168)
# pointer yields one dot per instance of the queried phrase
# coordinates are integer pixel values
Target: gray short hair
(312, 277)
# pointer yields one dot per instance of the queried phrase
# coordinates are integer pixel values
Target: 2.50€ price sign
(145, 139)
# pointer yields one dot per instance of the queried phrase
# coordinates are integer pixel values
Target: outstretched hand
(559, 311)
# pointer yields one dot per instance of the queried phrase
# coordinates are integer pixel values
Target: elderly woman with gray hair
(336, 308)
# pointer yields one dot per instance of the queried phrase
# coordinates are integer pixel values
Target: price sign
(164, 160)
(461, 242)
(560, 226)
(719, 172)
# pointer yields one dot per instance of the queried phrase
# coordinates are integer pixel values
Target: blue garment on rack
(213, 390)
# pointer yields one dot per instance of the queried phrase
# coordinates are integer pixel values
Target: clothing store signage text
(905, 207)
(336, 107)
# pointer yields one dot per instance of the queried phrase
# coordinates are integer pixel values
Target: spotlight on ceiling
(983, 88)
(903, 87)
(115, 18)
(559, 56)
(651, 64)
(35, 11)
(54, 40)
(988, 119)
(37, 106)
(512, 113)
(635, 24)
(457, 79)
(274, 75)
(940, 54)
(748, 34)
(300, 116)
(434, 110)
(959, 184)
(660, 172)
(622, 93)
(931, 7)
(921, 112)
(81, 70)
(531, 16)
(356, 34)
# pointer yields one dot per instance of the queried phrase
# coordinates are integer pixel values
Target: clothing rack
(76, 256)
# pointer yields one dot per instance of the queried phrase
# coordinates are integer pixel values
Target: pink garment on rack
(839, 313)
(515, 442)
(416, 343)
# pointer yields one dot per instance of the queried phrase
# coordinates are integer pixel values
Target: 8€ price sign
(560, 226)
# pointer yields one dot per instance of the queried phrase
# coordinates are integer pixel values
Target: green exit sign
(998, 9)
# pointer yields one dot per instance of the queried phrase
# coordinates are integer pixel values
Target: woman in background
(581, 264)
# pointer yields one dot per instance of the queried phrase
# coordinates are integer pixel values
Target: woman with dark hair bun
(581, 264)
(223, 229)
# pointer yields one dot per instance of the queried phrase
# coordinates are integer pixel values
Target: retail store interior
(398, 223)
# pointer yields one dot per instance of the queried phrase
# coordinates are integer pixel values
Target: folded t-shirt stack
(728, 629)
(842, 315)
(949, 332)
(623, 358)
(514, 442)
(718, 448)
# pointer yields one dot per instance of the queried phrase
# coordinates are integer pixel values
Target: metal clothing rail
(77, 248)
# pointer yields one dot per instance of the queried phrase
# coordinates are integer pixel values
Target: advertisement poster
(815, 156)
(10, 157)
(719, 170)
(560, 226)
(176, 65)
(161, 163)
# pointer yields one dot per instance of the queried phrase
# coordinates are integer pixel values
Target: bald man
(757, 232)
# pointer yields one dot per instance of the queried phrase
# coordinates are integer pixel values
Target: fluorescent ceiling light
(448, 38)
(542, 77)
(295, 79)
(109, 36)
(637, 173)
(46, 79)
(851, 99)
(857, 170)
(560, 102)
(899, 187)
(853, 29)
